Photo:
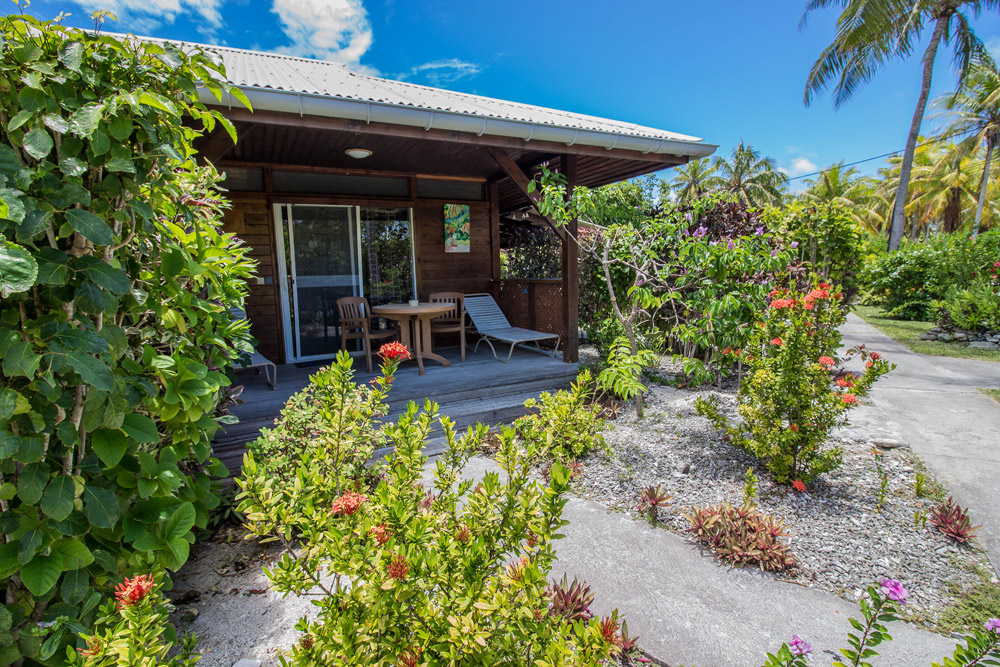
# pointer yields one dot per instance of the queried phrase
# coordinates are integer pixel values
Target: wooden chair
(356, 322)
(453, 321)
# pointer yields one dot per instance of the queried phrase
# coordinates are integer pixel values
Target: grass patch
(971, 607)
(908, 333)
(992, 393)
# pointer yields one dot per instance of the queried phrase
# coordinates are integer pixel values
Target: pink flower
(894, 590)
(800, 647)
(993, 625)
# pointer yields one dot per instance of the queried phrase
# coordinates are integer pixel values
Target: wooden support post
(494, 193)
(571, 273)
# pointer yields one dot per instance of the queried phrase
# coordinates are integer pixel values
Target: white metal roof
(305, 86)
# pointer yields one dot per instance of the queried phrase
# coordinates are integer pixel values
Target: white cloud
(441, 72)
(799, 166)
(145, 16)
(334, 30)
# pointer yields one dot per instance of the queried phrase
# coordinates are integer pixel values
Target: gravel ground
(840, 541)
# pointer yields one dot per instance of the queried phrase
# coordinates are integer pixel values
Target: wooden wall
(250, 219)
(439, 271)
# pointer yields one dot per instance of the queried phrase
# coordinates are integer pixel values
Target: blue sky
(722, 70)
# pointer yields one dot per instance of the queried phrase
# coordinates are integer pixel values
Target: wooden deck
(479, 390)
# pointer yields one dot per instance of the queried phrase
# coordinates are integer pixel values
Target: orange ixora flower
(93, 649)
(381, 533)
(794, 428)
(349, 503)
(394, 351)
(777, 304)
(849, 399)
(845, 382)
(799, 485)
(132, 591)
(827, 361)
(398, 568)
(775, 341)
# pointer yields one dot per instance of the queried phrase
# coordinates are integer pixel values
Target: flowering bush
(450, 573)
(794, 394)
(132, 630)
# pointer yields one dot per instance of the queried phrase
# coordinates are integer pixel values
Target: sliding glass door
(329, 252)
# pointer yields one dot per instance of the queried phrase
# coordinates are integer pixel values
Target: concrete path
(933, 405)
(689, 610)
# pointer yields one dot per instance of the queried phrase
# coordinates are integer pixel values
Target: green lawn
(908, 333)
(992, 393)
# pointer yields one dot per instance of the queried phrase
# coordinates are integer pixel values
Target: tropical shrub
(827, 238)
(450, 573)
(565, 425)
(742, 535)
(794, 394)
(975, 307)
(133, 630)
(116, 283)
(906, 283)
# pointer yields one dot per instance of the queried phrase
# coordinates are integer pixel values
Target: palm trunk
(982, 186)
(899, 214)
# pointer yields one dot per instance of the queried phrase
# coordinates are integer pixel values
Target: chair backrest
(353, 310)
(456, 298)
(484, 312)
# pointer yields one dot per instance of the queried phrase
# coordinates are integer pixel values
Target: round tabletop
(421, 309)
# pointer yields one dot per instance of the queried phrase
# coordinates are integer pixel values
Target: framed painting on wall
(457, 224)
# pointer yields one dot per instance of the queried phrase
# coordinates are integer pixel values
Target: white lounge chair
(257, 360)
(492, 325)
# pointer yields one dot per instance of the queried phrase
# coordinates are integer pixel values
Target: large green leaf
(92, 227)
(141, 427)
(114, 280)
(18, 269)
(21, 360)
(31, 482)
(176, 554)
(37, 143)
(93, 371)
(180, 522)
(100, 506)
(110, 445)
(75, 553)
(42, 573)
(58, 499)
(71, 55)
(84, 122)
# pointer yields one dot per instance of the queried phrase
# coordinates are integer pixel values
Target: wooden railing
(533, 304)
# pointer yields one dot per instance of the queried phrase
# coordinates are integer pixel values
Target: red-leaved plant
(953, 520)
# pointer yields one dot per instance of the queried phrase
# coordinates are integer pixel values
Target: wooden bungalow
(340, 182)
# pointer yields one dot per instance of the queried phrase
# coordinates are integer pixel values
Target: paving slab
(688, 609)
(934, 406)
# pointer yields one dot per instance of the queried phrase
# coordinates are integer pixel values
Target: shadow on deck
(481, 389)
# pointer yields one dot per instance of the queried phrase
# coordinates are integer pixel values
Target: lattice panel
(533, 304)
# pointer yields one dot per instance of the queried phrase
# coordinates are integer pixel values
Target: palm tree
(872, 32)
(843, 187)
(942, 188)
(690, 181)
(976, 110)
(754, 179)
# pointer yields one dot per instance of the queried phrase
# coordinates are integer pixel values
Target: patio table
(415, 327)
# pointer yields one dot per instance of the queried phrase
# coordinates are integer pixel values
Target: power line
(936, 140)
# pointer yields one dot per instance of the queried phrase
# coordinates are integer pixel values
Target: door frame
(286, 260)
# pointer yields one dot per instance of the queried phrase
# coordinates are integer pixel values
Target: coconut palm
(691, 181)
(842, 186)
(870, 33)
(976, 111)
(752, 178)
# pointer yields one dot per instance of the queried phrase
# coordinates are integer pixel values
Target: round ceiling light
(358, 153)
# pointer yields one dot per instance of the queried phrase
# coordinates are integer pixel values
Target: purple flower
(759, 231)
(800, 646)
(639, 282)
(700, 232)
(713, 243)
(687, 216)
(795, 244)
(774, 253)
(894, 590)
(731, 244)
(993, 625)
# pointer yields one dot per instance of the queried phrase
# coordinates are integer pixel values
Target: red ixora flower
(398, 568)
(93, 649)
(775, 341)
(381, 533)
(849, 399)
(727, 351)
(799, 485)
(782, 303)
(827, 361)
(349, 503)
(818, 294)
(394, 351)
(794, 428)
(132, 591)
